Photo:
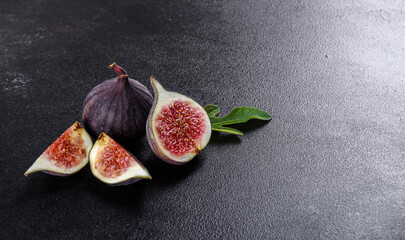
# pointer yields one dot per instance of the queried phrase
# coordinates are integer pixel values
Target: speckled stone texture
(330, 165)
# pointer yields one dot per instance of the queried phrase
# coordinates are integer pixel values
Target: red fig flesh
(177, 127)
(112, 164)
(119, 107)
(66, 155)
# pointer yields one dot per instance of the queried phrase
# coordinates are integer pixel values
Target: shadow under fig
(42, 184)
(222, 138)
(165, 174)
(137, 147)
(126, 195)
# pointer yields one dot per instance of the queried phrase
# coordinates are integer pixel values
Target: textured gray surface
(330, 165)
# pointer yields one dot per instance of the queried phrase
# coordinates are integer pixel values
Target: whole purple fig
(118, 107)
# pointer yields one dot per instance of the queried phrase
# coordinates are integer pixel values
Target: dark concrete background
(330, 165)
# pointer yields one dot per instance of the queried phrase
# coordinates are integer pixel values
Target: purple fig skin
(124, 183)
(119, 107)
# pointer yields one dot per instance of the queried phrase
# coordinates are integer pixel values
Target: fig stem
(119, 70)
(122, 76)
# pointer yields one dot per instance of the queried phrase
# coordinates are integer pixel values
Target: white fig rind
(134, 173)
(161, 98)
(44, 163)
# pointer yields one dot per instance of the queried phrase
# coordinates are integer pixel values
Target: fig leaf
(237, 115)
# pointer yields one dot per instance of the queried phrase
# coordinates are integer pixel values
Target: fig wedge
(113, 165)
(66, 155)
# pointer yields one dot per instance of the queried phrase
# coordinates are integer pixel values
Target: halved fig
(66, 155)
(113, 165)
(177, 127)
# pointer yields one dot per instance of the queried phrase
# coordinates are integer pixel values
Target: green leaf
(212, 110)
(237, 115)
(227, 130)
